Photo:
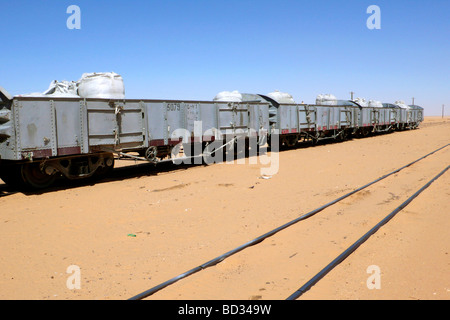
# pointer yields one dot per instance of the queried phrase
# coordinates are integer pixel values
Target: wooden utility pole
(442, 111)
(413, 101)
(352, 94)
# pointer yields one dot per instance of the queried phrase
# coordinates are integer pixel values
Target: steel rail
(360, 241)
(259, 239)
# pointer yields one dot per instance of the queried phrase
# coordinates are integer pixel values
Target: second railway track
(287, 258)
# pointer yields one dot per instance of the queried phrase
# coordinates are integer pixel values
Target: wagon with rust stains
(43, 138)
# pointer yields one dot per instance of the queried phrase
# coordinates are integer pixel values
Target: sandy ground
(143, 225)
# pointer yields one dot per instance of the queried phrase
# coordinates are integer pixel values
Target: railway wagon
(314, 122)
(293, 122)
(414, 116)
(43, 137)
(331, 118)
(409, 116)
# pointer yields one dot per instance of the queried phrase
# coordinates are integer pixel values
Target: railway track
(359, 192)
(298, 293)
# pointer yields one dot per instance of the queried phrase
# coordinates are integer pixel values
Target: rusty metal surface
(43, 127)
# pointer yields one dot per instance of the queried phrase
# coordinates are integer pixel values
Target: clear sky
(193, 49)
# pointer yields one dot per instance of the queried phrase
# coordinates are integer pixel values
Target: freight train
(50, 136)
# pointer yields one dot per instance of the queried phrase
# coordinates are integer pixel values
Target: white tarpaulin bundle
(362, 102)
(105, 85)
(57, 89)
(375, 103)
(101, 85)
(281, 97)
(229, 96)
(62, 89)
(402, 104)
(326, 99)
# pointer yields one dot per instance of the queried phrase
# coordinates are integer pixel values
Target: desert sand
(144, 225)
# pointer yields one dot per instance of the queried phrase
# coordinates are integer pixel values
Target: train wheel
(33, 176)
(109, 166)
(11, 175)
(292, 141)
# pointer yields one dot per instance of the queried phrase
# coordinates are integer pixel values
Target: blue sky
(191, 50)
